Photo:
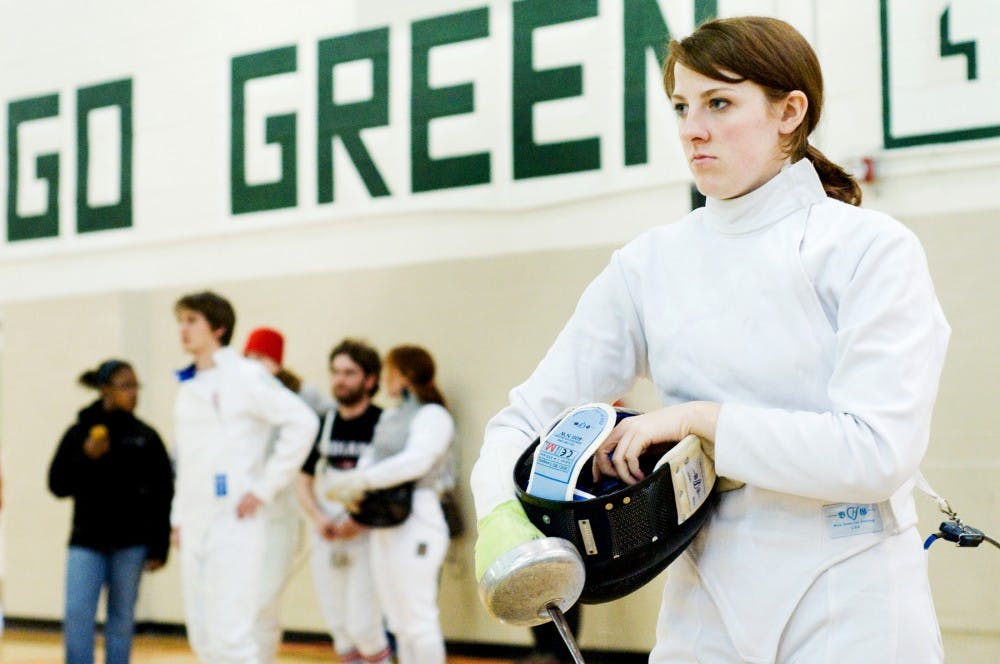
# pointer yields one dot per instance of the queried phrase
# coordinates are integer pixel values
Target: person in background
(241, 436)
(115, 468)
(267, 345)
(799, 336)
(341, 568)
(410, 445)
(281, 515)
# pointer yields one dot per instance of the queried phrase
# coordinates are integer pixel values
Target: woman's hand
(618, 456)
(152, 565)
(347, 487)
(97, 443)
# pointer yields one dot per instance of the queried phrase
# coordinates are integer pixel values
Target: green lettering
(643, 28)
(347, 120)
(117, 215)
(45, 224)
(427, 103)
(531, 87)
(705, 10)
(279, 129)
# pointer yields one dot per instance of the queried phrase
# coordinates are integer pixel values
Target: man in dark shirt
(339, 555)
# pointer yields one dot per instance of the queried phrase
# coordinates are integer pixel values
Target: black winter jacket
(122, 498)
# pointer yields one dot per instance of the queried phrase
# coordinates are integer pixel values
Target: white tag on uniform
(848, 519)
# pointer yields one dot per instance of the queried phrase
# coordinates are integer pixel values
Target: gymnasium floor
(21, 646)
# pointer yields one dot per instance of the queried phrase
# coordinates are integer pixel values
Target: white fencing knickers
(220, 571)
(406, 565)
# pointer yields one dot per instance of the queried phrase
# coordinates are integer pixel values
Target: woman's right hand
(97, 443)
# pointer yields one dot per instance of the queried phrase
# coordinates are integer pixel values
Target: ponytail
(89, 379)
(289, 379)
(417, 365)
(429, 393)
(837, 182)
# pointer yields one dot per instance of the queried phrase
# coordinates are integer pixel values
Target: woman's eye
(718, 104)
(680, 109)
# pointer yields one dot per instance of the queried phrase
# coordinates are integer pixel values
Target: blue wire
(929, 541)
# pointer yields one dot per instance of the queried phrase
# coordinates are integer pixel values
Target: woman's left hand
(618, 456)
(346, 486)
(152, 565)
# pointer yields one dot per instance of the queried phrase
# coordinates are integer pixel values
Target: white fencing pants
(873, 608)
(346, 594)
(220, 573)
(282, 542)
(406, 564)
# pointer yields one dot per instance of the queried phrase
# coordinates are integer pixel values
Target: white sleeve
(431, 431)
(296, 426)
(890, 346)
(597, 357)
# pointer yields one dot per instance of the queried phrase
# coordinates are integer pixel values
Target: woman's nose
(693, 127)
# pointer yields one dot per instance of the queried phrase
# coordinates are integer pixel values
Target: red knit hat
(266, 341)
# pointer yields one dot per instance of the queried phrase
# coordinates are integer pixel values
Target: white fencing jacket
(420, 456)
(815, 324)
(224, 421)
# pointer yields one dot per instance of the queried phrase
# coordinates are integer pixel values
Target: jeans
(87, 571)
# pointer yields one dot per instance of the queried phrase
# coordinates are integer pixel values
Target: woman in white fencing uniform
(410, 445)
(283, 520)
(800, 336)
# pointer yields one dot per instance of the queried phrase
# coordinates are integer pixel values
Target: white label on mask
(565, 450)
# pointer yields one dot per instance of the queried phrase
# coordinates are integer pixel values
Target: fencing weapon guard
(533, 583)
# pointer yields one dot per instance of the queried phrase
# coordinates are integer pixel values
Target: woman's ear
(793, 111)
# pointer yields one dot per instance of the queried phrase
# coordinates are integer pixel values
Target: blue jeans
(87, 571)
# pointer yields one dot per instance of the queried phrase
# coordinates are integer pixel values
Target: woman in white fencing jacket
(797, 333)
(410, 445)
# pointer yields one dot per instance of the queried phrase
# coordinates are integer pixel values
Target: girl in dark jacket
(116, 469)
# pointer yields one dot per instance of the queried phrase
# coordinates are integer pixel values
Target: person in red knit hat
(267, 346)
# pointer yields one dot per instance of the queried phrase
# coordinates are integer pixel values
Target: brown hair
(417, 366)
(363, 355)
(289, 379)
(216, 309)
(772, 54)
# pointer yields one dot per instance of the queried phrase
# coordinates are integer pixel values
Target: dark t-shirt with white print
(348, 439)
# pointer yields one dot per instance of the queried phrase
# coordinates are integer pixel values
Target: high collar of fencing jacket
(220, 357)
(795, 187)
